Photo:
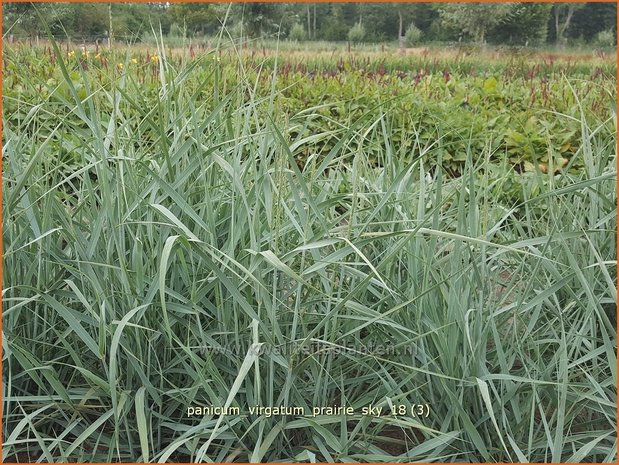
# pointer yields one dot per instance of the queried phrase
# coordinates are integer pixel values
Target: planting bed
(415, 255)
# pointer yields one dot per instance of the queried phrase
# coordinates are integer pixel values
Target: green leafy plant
(606, 38)
(356, 34)
(297, 32)
(412, 36)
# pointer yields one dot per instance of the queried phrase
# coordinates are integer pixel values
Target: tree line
(512, 23)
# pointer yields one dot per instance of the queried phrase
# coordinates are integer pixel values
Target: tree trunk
(562, 28)
(309, 23)
(400, 31)
(110, 35)
(566, 24)
(314, 36)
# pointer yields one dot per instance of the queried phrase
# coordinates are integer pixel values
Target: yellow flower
(134, 61)
(98, 56)
(71, 54)
(216, 58)
(154, 59)
(120, 66)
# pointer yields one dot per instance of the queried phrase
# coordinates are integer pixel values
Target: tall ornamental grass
(190, 260)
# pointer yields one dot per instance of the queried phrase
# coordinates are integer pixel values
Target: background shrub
(356, 33)
(605, 38)
(297, 32)
(412, 36)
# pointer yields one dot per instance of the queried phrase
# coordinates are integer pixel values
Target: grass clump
(184, 257)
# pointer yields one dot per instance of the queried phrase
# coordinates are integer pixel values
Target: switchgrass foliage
(202, 266)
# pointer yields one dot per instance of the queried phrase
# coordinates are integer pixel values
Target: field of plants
(399, 257)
